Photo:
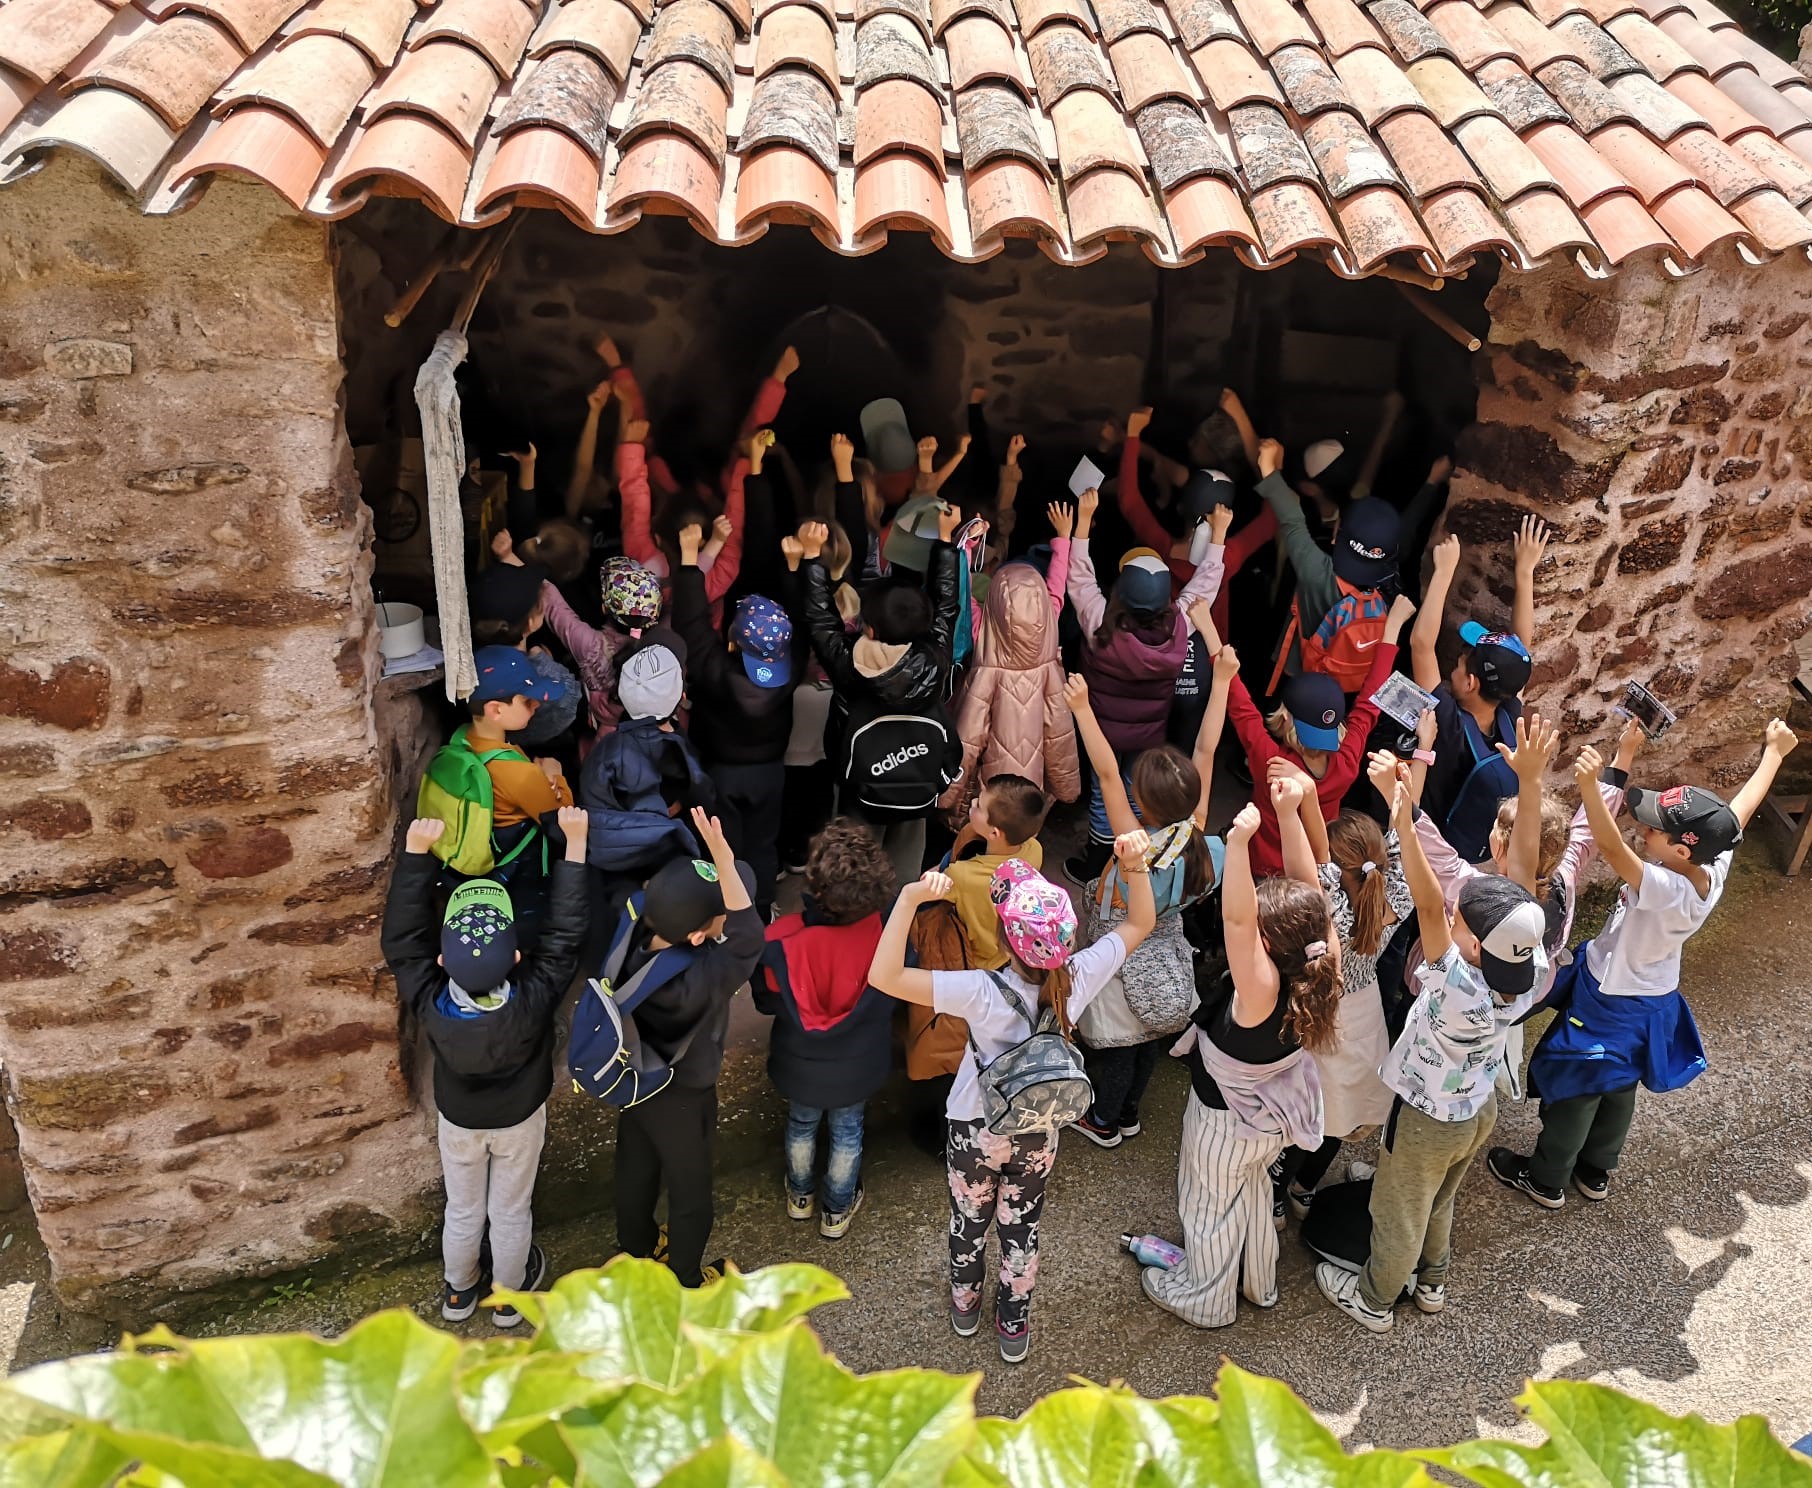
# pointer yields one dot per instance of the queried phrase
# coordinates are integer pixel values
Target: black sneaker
(457, 1306)
(1101, 1136)
(1592, 1183)
(836, 1226)
(1512, 1170)
(534, 1277)
(1300, 1201)
(1086, 866)
(1131, 1129)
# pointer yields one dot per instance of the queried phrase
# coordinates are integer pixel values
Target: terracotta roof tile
(1180, 145)
(698, 31)
(497, 29)
(375, 27)
(994, 123)
(39, 38)
(1234, 75)
(980, 50)
(1147, 69)
(1308, 82)
(782, 184)
(1424, 132)
(800, 36)
(1064, 58)
(446, 81)
(894, 115)
(548, 166)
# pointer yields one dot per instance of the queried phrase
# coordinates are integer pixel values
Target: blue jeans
(1098, 829)
(842, 1170)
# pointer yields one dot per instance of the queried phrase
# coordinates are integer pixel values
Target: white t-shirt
(1637, 954)
(993, 1023)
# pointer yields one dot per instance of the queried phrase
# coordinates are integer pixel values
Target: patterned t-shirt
(1445, 1063)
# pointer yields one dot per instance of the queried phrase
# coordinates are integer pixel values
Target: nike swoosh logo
(1363, 645)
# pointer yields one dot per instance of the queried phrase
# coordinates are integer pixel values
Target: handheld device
(1653, 715)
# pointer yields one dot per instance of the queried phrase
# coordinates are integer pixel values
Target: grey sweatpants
(1421, 1164)
(490, 1174)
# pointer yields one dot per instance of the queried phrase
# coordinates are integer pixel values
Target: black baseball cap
(1697, 819)
(1498, 659)
(1205, 490)
(1510, 924)
(685, 896)
(1365, 551)
(1317, 707)
(505, 591)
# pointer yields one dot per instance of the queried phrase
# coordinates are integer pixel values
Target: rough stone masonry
(196, 812)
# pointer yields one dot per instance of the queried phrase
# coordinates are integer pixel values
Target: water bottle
(1149, 1250)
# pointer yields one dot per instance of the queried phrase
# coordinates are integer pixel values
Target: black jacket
(491, 1070)
(698, 997)
(733, 721)
(918, 681)
(847, 1062)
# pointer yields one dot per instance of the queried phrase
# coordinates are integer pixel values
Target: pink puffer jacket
(1012, 718)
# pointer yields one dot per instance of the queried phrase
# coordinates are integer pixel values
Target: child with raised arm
(1478, 975)
(1625, 1023)
(1314, 730)
(999, 1181)
(1254, 1084)
(1156, 994)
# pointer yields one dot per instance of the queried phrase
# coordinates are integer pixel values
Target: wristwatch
(1424, 757)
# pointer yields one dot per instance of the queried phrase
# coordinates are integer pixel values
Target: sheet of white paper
(424, 660)
(1087, 474)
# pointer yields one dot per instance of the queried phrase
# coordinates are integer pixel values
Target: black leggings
(666, 1142)
(1120, 1077)
(1307, 1169)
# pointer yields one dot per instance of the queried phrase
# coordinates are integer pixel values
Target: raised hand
(1537, 742)
(1629, 740)
(1286, 794)
(1270, 457)
(423, 833)
(1226, 664)
(503, 546)
(607, 349)
(1586, 768)
(574, 824)
(1402, 611)
(599, 396)
(1016, 446)
(1063, 517)
(1530, 542)
(1428, 728)
(1381, 769)
(927, 448)
(1245, 825)
(636, 432)
(812, 538)
(1781, 740)
(1440, 470)
(524, 458)
(787, 365)
(1075, 693)
(1220, 523)
(1137, 422)
(1447, 555)
(722, 529)
(949, 518)
(792, 550)
(711, 833)
(1131, 848)
(691, 538)
(926, 887)
(1086, 504)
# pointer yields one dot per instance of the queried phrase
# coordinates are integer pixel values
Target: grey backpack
(1036, 1086)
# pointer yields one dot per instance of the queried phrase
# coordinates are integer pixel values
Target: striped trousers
(1224, 1198)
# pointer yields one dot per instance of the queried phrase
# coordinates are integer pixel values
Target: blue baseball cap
(1317, 707)
(504, 673)
(763, 633)
(478, 936)
(1499, 659)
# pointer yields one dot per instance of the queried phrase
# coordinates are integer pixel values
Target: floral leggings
(1000, 1181)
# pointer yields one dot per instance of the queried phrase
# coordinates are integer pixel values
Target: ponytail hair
(1298, 935)
(1358, 850)
(1053, 985)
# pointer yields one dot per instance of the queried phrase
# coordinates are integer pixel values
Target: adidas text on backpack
(457, 790)
(898, 764)
(1039, 1084)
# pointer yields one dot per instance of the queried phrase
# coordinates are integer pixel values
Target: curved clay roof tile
(783, 184)
(537, 164)
(39, 38)
(259, 143)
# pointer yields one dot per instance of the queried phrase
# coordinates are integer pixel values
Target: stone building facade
(201, 777)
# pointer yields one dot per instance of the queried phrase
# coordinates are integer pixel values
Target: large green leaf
(638, 1323)
(61, 1459)
(372, 1409)
(507, 1391)
(1601, 1438)
(726, 1464)
(781, 1396)
(1272, 1439)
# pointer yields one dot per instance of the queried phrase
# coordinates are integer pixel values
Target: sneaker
(1430, 1299)
(836, 1226)
(1299, 1201)
(1086, 866)
(714, 1270)
(964, 1321)
(798, 1206)
(1512, 1170)
(1592, 1183)
(458, 1305)
(1358, 1172)
(1130, 1129)
(534, 1277)
(1101, 1136)
(1341, 1287)
(1015, 1346)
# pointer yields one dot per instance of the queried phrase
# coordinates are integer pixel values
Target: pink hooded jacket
(1012, 717)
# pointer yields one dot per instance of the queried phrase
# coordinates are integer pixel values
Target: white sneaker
(1430, 1299)
(798, 1206)
(1357, 1172)
(1342, 1289)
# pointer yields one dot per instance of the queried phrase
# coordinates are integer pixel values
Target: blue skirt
(1598, 1044)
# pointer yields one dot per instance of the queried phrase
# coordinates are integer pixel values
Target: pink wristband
(1424, 757)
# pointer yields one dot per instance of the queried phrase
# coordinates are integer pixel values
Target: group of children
(877, 682)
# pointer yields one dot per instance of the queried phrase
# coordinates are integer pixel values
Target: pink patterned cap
(1035, 915)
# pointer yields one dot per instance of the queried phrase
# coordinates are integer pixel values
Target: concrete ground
(1688, 1288)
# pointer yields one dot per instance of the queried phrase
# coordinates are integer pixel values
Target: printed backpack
(1341, 646)
(606, 1055)
(1039, 1084)
(457, 790)
(898, 764)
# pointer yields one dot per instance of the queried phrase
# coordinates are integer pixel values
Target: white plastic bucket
(400, 630)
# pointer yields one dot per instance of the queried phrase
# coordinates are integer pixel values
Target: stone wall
(1665, 428)
(196, 814)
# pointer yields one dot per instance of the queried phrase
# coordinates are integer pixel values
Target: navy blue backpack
(606, 1054)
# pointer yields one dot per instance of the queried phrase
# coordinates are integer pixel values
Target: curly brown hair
(848, 874)
(1292, 917)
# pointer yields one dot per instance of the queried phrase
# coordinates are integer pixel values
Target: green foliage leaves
(1601, 1438)
(632, 1382)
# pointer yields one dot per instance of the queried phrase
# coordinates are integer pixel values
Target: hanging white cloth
(444, 456)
